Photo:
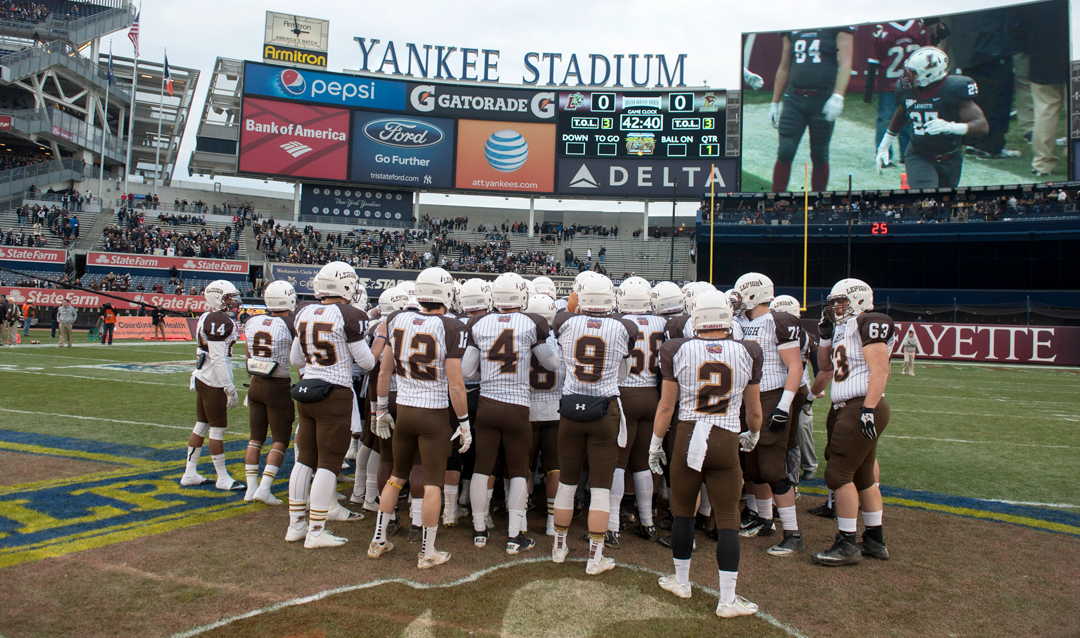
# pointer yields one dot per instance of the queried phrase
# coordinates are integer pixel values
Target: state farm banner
(1047, 345)
(103, 262)
(92, 300)
(36, 255)
(176, 328)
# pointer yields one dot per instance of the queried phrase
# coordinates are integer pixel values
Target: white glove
(233, 399)
(774, 114)
(833, 106)
(881, 160)
(748, 441)
(657, 458)
(384, 425)
(753, 80)
(945, 127)
(465, 434)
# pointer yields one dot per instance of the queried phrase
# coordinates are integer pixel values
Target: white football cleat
(741, 607)
(194, 480)
(349, 456)
(296, 534)
(427, 562)
(265, 497)
(668, 583)
(449, 517)
(594, 567)
(376, 549)
(339, 513)
(229, 484)
(559, 555)
(371, 506)
(326, 539)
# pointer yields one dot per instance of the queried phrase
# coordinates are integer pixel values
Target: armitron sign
(296, 39)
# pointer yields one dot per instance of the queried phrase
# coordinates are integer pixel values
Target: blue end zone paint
(112, 449)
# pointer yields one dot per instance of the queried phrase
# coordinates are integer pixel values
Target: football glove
(774, 114)
(465, 434)
(945, 127)
(778, 421)
(808, 406)
(825, 328)
(657, 458)
(751, 79)
(833, 106)
(384, 425)
(869, 430)
(881, 160)
(748, 441)
(233, 399)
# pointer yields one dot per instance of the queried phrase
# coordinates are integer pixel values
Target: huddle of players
(621, 379)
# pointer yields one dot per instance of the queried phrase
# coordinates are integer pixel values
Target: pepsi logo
(292, 82)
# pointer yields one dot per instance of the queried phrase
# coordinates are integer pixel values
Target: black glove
(778, 420)
(825, 328)
(869, 430)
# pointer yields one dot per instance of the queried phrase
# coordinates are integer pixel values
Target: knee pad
(217, 434)
(785, 152)
(564, 497)
(601, 500)
(200, 428)
(759, 482)
(783, 486)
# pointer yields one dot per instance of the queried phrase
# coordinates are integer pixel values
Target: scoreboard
(642, 124)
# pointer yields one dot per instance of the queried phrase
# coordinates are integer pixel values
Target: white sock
(618, 486)
(847, 525)
(764, 511)
(449, 497)
(219, 466)
(643, 488)
(416, 508)
(359, 489)
(429, 541)
(682, 571)
(516, 501)
(506, 490)
(299, 480)
(381, 521)
(751, 503)
(788, 518)
(353, 443)
(727, 586)
(830, 501)
(478, 497)
(487, 502)
(872, 519)
(193, 454)
(323, 488)
(268, 476)
(596, 547)
(706, 505)
(560, 538)
(251, 473)
(371, 487)
(464, 494)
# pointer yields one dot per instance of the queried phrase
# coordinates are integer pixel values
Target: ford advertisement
(409, 151)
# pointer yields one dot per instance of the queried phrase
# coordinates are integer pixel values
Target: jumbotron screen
(996, 81)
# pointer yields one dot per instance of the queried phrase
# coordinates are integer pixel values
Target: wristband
(463, 421)
(656, 442)
(785, 400)
(383, 402)
(810, 396)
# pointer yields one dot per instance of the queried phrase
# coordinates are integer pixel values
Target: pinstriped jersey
(464, 319)
(590, 352)
(807, 346)
(712, 374)
(324, 332)
(215, 326)
(645, 371)
(851, 373)
(422, 344)
(680, 326)
(270, 339)
(505, 341)
(772, 331)
(560, 305)
(357, 371)
(545, 385)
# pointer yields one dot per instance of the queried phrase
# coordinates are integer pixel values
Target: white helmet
(752, 289)
(475, 295)
(510, 292)
(542, 305)
(859, 297)
(545, 286)
(409, 286)
(596, 294)
(360, 302)
(221, 295)
(712, 311)
(634, 296)
(692, 290)
(435, 285)
(279, 295)
(667, 299)
(924, 67)
(392, 300)
(336, 279)
(584, 276)
(786, 303)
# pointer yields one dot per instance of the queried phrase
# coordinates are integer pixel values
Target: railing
(356, 221)
(67, 127)
(16, 180)
(65, 53)
(78, 31)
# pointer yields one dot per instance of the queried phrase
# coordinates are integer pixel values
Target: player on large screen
(941, 110)
(815, 67)
(894, 42)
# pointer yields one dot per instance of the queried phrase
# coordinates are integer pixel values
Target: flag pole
(157, 142)
(131, 110)
(105, 128)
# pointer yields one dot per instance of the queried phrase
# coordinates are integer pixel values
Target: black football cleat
(761, 528)
(873, 549)
(612, 540)
(748, 518)
(416, 533)
(648, 532)
(824, 511)
(843, 552)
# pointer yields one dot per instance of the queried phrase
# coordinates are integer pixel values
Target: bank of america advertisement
(412, 151)
(293, 140)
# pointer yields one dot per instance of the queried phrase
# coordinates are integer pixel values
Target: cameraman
(108, 319)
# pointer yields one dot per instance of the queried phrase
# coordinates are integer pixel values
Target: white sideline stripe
(94, 418)
(930, 438)
(954, 398)
(791, 631)
(1003, 416)
(1028, 503)
(1032, 367)
(79, 376)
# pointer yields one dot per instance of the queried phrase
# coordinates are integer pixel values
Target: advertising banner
(296, 39)
(176, 328)
(6, 122)
(36, 255)
(93, 300)
(101, 262)
(477, 102)
(374, 281)
(1047, 345)
(293, 140)
(413, 151)
(651, 178)
(505, 156)
(368, 203)
(334, 89)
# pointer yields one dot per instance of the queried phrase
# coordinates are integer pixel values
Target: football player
(329, 341)
(815, 67)
(801, 439)
(545, 391)
(855, 348)
(212, 380)
(893, 43)
(941, 109)
(679, 324)
(359, 388)
(269, 340)
(710, 378)
(501, 345)
(426, 359)
(781, 377)
(594, 351)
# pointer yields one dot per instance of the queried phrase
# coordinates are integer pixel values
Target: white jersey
(808, 344)
(645, 371)
(422, 344)
(680, 326)
(545, 388)
(505, 342)
(591, 349)
(216, 333)
(773, 331)
(712, 374)
(358, 372)
(270, 339)
(329, 339)
(851, 373)
(473, 385)
(560, 305)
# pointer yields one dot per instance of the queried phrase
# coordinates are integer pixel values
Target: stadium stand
(41, 227)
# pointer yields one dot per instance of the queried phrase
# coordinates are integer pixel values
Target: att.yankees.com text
(487, 183)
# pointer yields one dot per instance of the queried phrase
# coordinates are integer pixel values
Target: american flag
(168, 76)
(133, 33)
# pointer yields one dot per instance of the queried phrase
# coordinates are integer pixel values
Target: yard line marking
(1030, 504)
(930, 438)
(79, 376)
(1003, 416)
(473, 577)
(998, 399)
(94, 418)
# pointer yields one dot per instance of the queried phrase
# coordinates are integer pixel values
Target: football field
(982, 520)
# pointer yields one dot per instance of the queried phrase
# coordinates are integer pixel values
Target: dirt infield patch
(29, 468)
(948, 575)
